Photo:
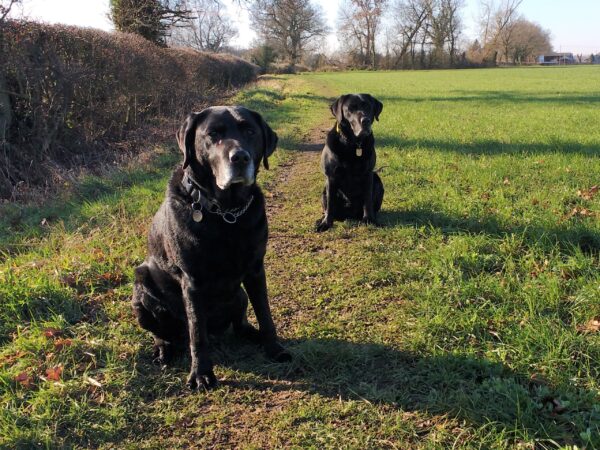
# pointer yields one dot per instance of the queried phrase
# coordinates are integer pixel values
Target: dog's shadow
(567, 235)
(476, 390)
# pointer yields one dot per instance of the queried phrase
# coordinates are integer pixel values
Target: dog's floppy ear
(269, 138)
(186, 136)
(337, 108)
(377, 106)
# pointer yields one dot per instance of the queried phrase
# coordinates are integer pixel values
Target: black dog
(207, 239)
(352, 190)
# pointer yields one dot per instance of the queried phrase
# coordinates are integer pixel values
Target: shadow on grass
(19, 222)
(492, 147)
(569, 236)
(477, 390)
(544, 98)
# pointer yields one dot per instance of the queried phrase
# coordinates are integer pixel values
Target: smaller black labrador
(352, 190)
(209, 238)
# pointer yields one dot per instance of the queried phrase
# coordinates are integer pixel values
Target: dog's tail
(379, 170)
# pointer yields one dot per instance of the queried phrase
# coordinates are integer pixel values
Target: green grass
(460, 323)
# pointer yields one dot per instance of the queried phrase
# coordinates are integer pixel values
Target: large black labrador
(352, 190)
(207, 240)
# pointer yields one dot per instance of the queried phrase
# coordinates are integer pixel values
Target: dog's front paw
(322, 225)
(277, 352)
(202, 379)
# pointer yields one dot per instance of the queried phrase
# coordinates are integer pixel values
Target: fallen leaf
(52, 332)
(24, 379)
(54, 373)
(593, 326)
(9, 359)
(579, 212)
(588, 194)
(506, 181)
(60, 343)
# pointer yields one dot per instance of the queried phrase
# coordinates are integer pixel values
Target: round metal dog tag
(197, 215)
(358, 151)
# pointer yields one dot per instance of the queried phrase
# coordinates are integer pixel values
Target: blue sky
(574, 24)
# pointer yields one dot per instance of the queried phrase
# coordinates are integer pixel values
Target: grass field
(470, 320)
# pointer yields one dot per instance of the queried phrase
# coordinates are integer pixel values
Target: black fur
(352, 189)
(190, 284)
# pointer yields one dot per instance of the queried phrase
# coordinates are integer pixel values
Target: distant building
(556, 58)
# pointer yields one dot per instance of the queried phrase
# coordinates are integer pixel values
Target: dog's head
(231, 141)
(358, 111)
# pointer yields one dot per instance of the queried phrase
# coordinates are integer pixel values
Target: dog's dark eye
(213, 134)
(249, 131)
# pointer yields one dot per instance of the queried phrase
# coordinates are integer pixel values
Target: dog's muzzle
(362, 128)
(239, 168)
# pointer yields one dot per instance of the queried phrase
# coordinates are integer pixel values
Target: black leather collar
(352, 142)
(202, 202)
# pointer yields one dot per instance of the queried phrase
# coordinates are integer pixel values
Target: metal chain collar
(230, 215)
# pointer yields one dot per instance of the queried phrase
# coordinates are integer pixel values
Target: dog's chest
(226, 256)
(351, 166)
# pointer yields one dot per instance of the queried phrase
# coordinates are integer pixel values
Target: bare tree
(411, 17)
(528, 40)
(497, 26)
(209, 29)
(450, 10)
(429, 30)
(359, 22)
(288, 25)
(5, 7)
(151, 19)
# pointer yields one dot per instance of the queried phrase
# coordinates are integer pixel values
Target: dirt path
(291, 191)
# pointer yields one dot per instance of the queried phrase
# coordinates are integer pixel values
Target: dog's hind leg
(168, 331)
(377, 192)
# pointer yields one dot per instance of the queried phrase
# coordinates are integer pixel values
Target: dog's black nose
(239, 156)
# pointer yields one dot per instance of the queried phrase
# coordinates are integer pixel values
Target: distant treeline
(67, 92)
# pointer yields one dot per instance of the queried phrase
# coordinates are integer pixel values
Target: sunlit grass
(464, 321)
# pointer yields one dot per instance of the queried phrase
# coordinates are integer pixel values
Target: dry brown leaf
(54, 373)
(52, 332)
(593, 326)
(60, 343)
(580, 212)
(9, 359)
(506, 181)
(588, 194)
(24, 379)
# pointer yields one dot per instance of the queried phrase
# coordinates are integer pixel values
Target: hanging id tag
(197, 215)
